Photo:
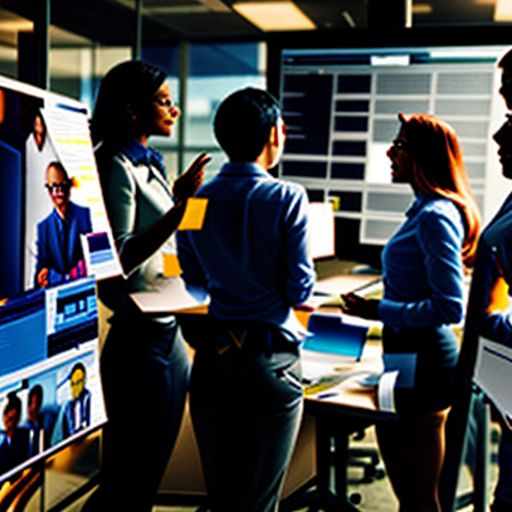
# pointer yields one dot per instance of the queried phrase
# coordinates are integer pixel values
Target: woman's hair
(439, 171)
(126, 90)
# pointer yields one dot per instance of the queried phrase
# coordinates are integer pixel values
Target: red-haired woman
(423, 268)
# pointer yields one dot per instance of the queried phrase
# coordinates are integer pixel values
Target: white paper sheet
(168, 296)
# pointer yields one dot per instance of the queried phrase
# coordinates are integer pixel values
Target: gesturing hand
(358, 306)
(186, 185)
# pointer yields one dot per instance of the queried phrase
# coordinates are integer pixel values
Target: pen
(326, 395)
(366, 285)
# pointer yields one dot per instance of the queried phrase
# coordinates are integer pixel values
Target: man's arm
(190, 264)
(440, 236)
(121, 201)
(300, 272)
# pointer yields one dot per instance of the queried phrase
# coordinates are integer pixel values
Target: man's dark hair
(13, 403)
(36, 391)
(243, 123)
(78, 366)
(505, 62)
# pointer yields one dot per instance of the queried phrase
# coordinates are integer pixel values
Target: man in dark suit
(498, 229)
(40, 420)
(14, 441)
(59, 252)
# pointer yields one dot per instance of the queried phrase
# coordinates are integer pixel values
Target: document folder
(330, 334)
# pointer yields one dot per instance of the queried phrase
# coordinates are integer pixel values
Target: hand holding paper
(359, 306)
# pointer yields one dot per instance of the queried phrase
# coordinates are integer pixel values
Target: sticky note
(171, 265)
(195, 211)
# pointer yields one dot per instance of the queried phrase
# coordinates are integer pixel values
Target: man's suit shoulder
(83, 211)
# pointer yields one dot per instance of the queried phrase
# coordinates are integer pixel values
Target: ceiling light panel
(503, 10)
(422, 8)
(274, 16)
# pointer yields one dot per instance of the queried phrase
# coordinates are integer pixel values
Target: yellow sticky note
(193, 218)
(171, 266)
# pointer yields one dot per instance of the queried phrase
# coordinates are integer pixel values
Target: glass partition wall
(11, 26)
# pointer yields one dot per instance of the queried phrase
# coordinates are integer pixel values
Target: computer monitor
(321, 230)
(22, 332)
(340, 96)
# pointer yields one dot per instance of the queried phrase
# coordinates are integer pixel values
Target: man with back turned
(251, 256)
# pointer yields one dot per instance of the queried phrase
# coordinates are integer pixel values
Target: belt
(205, 331)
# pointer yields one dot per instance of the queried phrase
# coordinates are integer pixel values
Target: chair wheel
(380, 473)
(355, 498)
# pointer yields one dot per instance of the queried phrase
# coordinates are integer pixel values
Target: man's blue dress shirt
(422, 267)
(251, 255)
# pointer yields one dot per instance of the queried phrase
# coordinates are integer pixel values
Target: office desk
(350, 409)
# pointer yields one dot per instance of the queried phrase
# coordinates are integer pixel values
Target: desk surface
(345, 283)
(347, 395)
(170, 295)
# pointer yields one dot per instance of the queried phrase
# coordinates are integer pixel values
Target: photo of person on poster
(75, 413)
(39, 152)
(59, 256)
(14, 441)
(39, 421)
(77, 410)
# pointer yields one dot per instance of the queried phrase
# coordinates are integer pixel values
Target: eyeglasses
(400, 145)
(164, 102)
(77, 382)
(53, 187)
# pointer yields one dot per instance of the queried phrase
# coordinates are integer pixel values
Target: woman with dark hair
(144, 365)
(423, 271)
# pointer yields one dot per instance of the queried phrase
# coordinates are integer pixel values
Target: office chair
(366, 457)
